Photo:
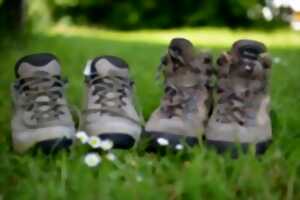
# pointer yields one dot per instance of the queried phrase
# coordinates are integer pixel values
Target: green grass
(138, 175)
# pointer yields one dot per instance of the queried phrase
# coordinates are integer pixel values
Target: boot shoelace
(111, 92)
(177, 61)
(173, 102)
(235, 106)
(175, 99)
(40, 95)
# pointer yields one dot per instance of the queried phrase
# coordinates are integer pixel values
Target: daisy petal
(139, 178)
(111, 157)
(106, 145)
(162, 141)
(179, 147)
(82, 137)
(92, 159)
(95, 142)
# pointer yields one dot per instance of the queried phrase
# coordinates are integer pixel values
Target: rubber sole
(53, 146)
(235, 148)
(120, 140)
(153, 145)
(29, 139)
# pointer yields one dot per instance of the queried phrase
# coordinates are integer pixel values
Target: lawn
(201, 174)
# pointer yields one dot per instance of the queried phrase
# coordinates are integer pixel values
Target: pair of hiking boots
(234, 109)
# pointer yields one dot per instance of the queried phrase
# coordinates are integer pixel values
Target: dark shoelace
(174, 102)
(111, 91)
(239, 107)
(40, 95)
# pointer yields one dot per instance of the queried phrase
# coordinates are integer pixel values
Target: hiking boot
(109, 106)
(241, 115)
(184, 108)
(41, 115)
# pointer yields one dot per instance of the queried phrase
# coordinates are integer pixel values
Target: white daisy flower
(248, 67)
(92, 159)
(179, 147)
(106, 144)
(163, 141)
(82, 137)
(277, 60)
(139, 178)
(111, 157)
(95, 142)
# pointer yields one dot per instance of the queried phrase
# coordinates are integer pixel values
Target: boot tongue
(184, 81)
(249, 49)
(181, 50)
(181, 54)
(109, 66)
(35, 64)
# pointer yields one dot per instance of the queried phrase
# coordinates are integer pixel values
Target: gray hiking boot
(41, 116)
(242, 111)
(109, 106)
(184, 109)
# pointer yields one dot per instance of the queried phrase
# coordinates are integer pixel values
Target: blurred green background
(137, 14)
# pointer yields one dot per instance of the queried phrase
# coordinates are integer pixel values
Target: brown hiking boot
(109, 110)
(186, 103)
(242, 111)
(41, 115)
